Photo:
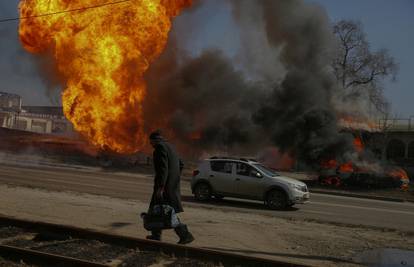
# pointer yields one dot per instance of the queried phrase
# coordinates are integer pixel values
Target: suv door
(249, 181)
(221, 176)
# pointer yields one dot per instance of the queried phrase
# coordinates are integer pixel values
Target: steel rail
(42, 258)
(216, 256)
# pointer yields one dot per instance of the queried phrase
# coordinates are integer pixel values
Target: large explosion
(278, 91)
(102, 50)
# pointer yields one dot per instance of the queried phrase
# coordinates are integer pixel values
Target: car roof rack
(234, 158)
(220, 157)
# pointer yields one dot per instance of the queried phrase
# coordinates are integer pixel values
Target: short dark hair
(156, 135)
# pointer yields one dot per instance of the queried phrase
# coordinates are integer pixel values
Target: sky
(388, 24)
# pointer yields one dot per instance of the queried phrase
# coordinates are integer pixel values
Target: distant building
(38, 119)
(10, 102)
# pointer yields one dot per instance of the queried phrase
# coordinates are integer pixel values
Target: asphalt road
(328, 208)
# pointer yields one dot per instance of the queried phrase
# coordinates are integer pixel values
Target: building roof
(4, 94)
(49, 110)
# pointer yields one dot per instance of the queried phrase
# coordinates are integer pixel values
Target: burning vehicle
(349, 175)
(363, 170)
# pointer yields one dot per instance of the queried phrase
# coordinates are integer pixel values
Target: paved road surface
(137, 186)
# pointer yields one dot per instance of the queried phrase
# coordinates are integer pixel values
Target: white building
(38, 119)
(47, 120)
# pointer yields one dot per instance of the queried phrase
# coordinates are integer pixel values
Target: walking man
(167, 167)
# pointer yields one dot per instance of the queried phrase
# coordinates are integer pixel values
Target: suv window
(245, 170)
(221, 166)
(266, 170)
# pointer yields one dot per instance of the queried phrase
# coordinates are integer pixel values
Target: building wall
(10, 101)
(35, 123)
(394, 145)
(39, 119)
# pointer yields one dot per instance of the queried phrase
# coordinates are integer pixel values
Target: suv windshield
(266, 170)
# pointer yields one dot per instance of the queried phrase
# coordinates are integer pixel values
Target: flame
(329, 164)
(346, 167)
(358, 145)
(401, 175)
(333, 164)
(274, 158)
(196, 135)
(102, 53)
(356, 123)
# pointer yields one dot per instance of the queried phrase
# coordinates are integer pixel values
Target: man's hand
(160, 193)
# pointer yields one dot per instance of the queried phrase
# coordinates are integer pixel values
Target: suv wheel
(277, 199)
(202, 192)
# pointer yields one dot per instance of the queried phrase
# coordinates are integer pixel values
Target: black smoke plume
(300, 115)
(277, 91)
(209, 103)
(205, 101)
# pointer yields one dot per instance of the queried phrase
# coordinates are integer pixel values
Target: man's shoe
(187, 239)
(153, 237)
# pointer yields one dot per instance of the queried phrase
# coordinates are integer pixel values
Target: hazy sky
(388, 24)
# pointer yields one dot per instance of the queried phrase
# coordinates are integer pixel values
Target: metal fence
(397, 124)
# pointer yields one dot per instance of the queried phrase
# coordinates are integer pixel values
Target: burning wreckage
(365, 168)
(365, 175)
(366, 171)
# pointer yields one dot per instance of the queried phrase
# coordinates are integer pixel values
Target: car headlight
(296, 186)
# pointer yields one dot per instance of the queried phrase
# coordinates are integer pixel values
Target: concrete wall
(399, 145)
(396, 147)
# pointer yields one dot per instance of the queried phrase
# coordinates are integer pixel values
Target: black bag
(160, 217)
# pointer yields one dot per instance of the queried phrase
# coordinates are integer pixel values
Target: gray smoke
(205, 100)
(300, 115)
(23, 65)
(280, 95)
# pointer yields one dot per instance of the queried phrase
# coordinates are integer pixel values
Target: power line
(65, 11)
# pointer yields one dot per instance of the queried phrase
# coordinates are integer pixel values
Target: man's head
(155, 138)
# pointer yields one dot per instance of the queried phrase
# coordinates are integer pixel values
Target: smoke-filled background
(277, 90)
(265, 82)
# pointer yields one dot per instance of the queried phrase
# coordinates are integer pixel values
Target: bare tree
(358, 68)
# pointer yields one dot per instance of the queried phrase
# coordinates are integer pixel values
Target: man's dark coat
(167, 166)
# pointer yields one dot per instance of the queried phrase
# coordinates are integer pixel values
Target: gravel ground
(7, 263)
(7, 232)
(143, 259)
(302, 241)
(90, 250)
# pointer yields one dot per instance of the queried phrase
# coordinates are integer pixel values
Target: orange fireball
(102, 51)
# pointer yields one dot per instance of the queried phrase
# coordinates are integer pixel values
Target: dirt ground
(299, 241)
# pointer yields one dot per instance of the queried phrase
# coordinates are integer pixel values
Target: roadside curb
(358, 196)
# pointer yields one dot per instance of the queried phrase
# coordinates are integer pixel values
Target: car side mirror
(256, 174)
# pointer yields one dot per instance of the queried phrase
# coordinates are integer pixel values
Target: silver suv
(247, 179)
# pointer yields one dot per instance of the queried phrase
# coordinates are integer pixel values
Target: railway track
(46, 244)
